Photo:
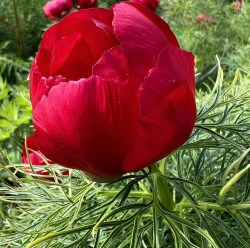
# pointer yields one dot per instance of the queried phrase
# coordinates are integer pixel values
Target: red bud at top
(56, 8)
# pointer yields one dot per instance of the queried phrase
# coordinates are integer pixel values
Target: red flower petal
(40, 86)
(151, 4)
(44, 54)
(142, 35)
(96, 132)
(76, 43)
(167, 109)
(113, 66)
(101, 15)
(69, 58)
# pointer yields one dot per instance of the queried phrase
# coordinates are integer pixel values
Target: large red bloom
(111, 91)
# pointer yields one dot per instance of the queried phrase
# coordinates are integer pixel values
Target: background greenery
(208, 177)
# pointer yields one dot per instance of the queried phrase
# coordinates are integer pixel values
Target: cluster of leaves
(22, 23)
(209, 177)
(15, 108)
(15, 118)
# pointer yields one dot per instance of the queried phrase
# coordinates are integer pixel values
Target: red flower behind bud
(56, 8)
(84, 4)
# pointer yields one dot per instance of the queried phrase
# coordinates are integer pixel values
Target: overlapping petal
(167, 109)
(96, 132)
(142, 35)
(151, 4)
(68, 51)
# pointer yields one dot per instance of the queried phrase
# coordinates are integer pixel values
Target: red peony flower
(111, 91)
(151, 4)
(56, 8)
(84, 4)
(36, 158)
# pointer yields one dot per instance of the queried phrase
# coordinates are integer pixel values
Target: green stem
(156, 243)
(164, 194)
(131, 194)
(211, 206)
(230, 183)
(17, 30)
(57, 234)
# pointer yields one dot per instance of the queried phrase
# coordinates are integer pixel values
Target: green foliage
(15, 117)
(208, 176)
(12, 68)
(226, 35)
(21, 23)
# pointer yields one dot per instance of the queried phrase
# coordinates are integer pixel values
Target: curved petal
(39, 85)
(75, 54)
(96, 132)
(45, 50)
(72, 58)
(97, 15)
(174, 69)
(95, 25)
(88, 33)
(151, 4)
(113, 66)
(167, 109)
(142, 35)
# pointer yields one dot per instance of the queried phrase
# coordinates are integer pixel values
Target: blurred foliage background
(21, 26)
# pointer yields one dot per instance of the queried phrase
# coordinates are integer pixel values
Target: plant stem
(230, 183)
(211, 206)
(164, 194)
(57, 234)
(17, 30)
(131, 194)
